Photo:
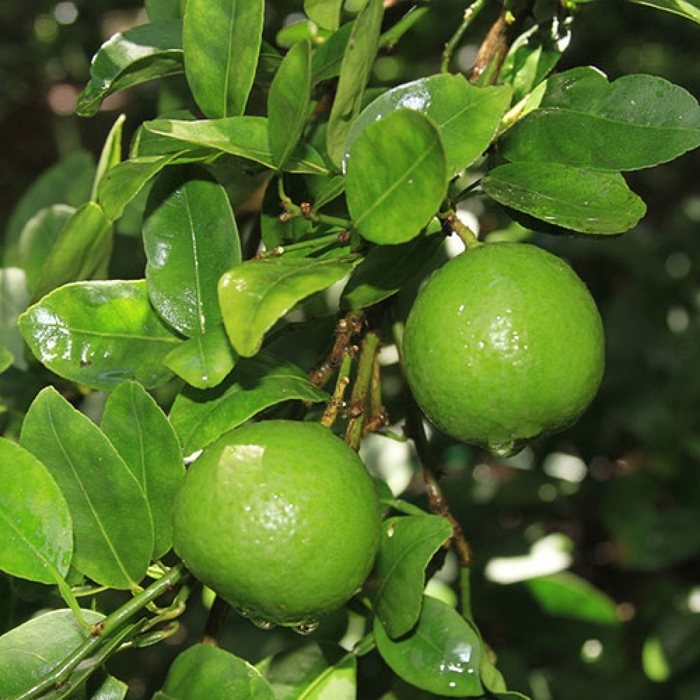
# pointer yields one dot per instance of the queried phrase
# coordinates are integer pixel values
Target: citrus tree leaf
(199, 417)
(355, 70)
(567, 595)
(143, 436)
(111, 154)
(129, 58)
(243, 136)
(578, 199)
(37, 239)
(191, 238)
(398, 579)
(221, 39)
(442, 655)
(467, 117)
(257, 293)
(36, 535)
(99, 334)
(325, 13)
(396, 177)
(635, 122)
(14, 298)
(690, 9)
(288, 102)
(203, 671)
(111, 689)
(313, 672)
(386, 269)
(32, 650)
(203, 361)
(68, 182)
(6, 358)
(327, 58)
(81, 251)
(112, 524)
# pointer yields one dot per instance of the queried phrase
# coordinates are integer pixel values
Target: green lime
(281, 519)
(503, 344)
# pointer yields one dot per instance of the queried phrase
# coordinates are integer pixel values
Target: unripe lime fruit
(281, 519)
(503, 344)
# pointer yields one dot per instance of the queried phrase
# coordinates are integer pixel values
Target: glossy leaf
(221, 39)
(313, 672)
(143, 436)
(567, 595)
(32, 650)
(257, 293)
(14, 298)
(690, 9)
(203, 671)
(356, 68)
(38, 238)
(288, 102)
(635, 122)
(190, 238)
(200, 417)
(325, 13)
(442, 655)
(396, 177)
(245, 136)
(36, 536)
(111, 154)
(99, 334)
(385, 270)
(581, 200)
(398, 579)
(112, 524)
(129, 58)
(467, 117)
(68, 182)
(81, 252)
(111, 689)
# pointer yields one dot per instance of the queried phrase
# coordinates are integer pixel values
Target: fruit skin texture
(281, 519)
(503, 344)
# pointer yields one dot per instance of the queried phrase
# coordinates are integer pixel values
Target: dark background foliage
(622, 487)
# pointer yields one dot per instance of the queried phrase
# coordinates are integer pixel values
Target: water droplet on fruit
(307, 628)
(503, 449)
(263, 624)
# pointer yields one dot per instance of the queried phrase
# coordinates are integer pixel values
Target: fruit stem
(469, 238)
(468, 17)
(337, 400)
(215, 622)
(361, 388)
(347, 327)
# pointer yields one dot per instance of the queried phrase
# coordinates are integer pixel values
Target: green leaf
(143, 436)
(111, 152)
(111, 689)
(36, 535)
(190, 238)
(203, 671)
(38, 238)
(132, 57)
(396, 177)
(14, 298)
(566, 595)
(222, 39)
(99, 334)
(442, 655)
(356, 68)
(68, 182)
(257, 293)
(398, 579)
(112, 525)
(325, 13)
(327, 58)
(386, 269)
(313, 672)
(200, 417)
(34, 649)
(6, 358)
(203, 361)
(467, 117)
(690, 9)
(288, 102)
(582, 200)
(82, 250)
(245, 136)
(635, 122)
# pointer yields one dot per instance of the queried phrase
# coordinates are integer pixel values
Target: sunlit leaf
(690, 9)
(112, 525)
(221, 40)
(325, 13)
(36, 535)
(14, 298)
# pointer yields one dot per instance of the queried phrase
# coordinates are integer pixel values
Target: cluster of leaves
(357, 185)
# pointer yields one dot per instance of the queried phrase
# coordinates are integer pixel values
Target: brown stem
(358, 399)
(215, 622)
(347, 327)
